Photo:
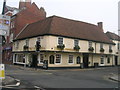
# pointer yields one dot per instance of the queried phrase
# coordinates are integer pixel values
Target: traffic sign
(3, 32)
(4, 25)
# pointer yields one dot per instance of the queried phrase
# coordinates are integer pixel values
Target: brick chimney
(21, 4)
(100, 25)
(27, 3)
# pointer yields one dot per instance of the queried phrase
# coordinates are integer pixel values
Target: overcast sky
(91, 11)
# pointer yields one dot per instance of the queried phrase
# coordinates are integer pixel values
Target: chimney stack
(21, 4)
(27, 3)
(100, 25)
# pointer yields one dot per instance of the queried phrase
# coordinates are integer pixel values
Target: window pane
(58, 58)
(76, 42)
(108, 60)
(90, 43)
(101, 45)
(38, 39)
(60, 40)
(41, 58)
(78, 60)
(70, 58)
(110, 46)
(27, 42)
(102, 60)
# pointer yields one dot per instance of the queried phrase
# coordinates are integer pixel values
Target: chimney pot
(100, 25)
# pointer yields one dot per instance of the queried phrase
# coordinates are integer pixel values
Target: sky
(91, 11)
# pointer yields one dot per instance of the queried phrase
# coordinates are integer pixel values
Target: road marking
(16, 85)
(37, 87)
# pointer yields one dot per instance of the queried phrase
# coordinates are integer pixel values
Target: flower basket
(61, 46)
(91, 49)
(110, 50)
(37, 47)
(76, 48)
(102, 50)
(25, 47)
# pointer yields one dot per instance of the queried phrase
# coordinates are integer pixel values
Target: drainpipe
(95, 48)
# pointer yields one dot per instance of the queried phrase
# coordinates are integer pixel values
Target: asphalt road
(69, 78)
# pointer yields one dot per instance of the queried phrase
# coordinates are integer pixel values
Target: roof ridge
(74, 20)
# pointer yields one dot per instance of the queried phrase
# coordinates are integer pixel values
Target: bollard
(2, 71)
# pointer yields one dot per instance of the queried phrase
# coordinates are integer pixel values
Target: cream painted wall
(116, 46)
(51, 42)
(64, 59)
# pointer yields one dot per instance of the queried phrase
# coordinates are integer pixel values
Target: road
(68, 78)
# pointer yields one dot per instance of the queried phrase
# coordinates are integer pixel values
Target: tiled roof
(113, 36)
(64, 27)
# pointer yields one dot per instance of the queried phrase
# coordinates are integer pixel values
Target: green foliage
(76, 47)
(91, 49)
(61, 46)
(102, 50)
(25, 47)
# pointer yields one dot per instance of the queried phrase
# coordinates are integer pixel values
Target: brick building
(27, 13)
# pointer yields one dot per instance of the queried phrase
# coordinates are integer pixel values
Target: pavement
(114, 77)
(10, 82)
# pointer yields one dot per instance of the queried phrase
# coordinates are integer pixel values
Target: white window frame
(109, 60)
(110, 47)
(76, 60)
(27, 42)
(102, 60)
(90, 44)
(72, 59)
(60, 58)
(101, 45)
(118, 46)
(59, 42)
(18, 58)
(39, 40)
(76, 42)
(17, 44)
(40, 58)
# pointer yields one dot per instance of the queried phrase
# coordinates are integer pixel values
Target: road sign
(2, 71)
(4, 24)
(3, 32)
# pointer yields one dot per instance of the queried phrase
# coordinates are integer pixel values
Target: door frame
(85, 60)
